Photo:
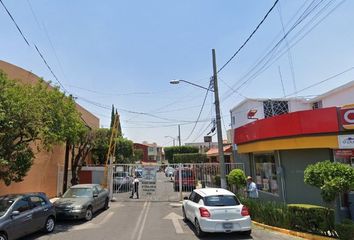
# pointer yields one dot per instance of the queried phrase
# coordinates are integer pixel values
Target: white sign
(346, 141)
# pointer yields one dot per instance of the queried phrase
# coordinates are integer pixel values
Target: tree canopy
(32, 116)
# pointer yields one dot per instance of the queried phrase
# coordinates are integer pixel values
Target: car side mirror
(15, 213)
(95, 195)
(185, 198)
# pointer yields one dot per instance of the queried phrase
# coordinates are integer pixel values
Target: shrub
(238, 178)
(297, 217)
(332, 178)
(345, 230)
(189, 158)
(170, 151)
(311, 218)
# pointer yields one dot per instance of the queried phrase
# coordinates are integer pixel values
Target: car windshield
(185, 174)
(5, 204)
(121, 174)
(78, 193)
(221, 200)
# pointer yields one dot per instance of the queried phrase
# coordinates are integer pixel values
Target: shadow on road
(62, 225)
(219, 236)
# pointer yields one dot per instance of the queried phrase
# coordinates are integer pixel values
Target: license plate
(227, 225)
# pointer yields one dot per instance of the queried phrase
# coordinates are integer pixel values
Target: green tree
(31, 117)
(138, 154)
(100, 146)
(237, 178)
(189, 158)
(124, 150)
(170, 151)
(331, 178)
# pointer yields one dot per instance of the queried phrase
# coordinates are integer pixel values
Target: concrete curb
(293, 233)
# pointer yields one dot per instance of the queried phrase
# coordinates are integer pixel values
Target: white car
(216, 210)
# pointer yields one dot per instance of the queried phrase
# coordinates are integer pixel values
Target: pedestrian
(135, 188)
(252, 190)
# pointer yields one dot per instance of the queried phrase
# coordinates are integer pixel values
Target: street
(157, 216)
(136, 220)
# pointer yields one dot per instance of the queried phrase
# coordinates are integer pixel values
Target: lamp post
(214, 83)
(174, 139)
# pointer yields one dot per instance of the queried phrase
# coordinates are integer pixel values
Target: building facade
(46, 173)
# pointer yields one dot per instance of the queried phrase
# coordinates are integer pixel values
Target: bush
(345, 230)
(297, 217)
(311, 218)
(238, 178)
(189, 158)
(170, 151)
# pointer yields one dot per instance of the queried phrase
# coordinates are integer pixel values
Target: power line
(264, 63)
(36, 48)
(13, 20)
(250, 36)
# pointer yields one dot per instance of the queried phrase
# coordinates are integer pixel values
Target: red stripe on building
(324, 120)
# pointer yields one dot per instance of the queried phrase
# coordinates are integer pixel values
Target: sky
(126, 52)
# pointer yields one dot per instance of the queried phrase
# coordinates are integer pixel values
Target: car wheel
(185, 219)
(198, 231)
(246, 233)
(3, 236)
(106, 204)
(49, 225)
(88, 214)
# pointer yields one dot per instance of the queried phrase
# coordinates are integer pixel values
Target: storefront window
(266, 175)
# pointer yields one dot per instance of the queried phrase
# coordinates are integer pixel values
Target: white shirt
(252, 190)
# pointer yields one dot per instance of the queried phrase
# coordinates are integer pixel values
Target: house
(46, 173)
(277, 139)
(151, 152)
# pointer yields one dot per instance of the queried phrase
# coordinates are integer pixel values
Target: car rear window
(221, 200)
(185, 174)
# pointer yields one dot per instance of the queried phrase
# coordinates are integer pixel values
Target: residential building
(151, 152)
(203, 146)
(46, 173)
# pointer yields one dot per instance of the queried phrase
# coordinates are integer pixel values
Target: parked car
(122, 181)
(82, 201)
(216, 210)
(22, 214)
(169, 171)
(188, 179)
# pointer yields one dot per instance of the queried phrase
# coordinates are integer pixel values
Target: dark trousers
(135, 189)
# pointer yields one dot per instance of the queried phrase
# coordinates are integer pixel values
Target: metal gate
(165, 182)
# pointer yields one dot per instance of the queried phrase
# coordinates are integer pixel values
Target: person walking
(252, 190)
(135, 188)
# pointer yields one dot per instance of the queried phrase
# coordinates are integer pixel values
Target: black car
(22, 214)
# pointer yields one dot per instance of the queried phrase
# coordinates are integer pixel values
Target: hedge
(345, 230)
(297, 217)
(170, 151)
(189, 158)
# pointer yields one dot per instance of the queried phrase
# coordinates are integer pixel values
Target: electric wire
(249, 37)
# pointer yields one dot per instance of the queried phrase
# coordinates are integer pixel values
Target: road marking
(175, 217)
(144, 220)
(106, 218)
(138, 222)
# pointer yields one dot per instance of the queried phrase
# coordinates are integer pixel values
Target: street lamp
(174, 139)
(214, 84)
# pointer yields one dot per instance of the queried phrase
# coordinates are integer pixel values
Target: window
(192, 196)
(22, 205)
(221, 200)
(99, 188)
(266, 176)
(317, 105)
(197, 198)
(273, 108)
(37, 201)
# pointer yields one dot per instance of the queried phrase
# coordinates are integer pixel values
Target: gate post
(180, 181)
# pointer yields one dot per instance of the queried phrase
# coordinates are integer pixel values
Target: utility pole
(179, 135)
(218, 124)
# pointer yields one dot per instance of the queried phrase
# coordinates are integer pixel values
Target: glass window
(192, 196)
(5, 204)
(37, 201)
(266, 175)
(78, 192)
(221, 200)
(22, 206)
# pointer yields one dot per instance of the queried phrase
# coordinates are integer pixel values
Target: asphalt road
(136, 220)
(152, 217)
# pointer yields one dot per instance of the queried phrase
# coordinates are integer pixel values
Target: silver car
(22, 214)
(82, 201)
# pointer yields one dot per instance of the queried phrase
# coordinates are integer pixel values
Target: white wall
(298, 105)
(343, 97)
(240, 113)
